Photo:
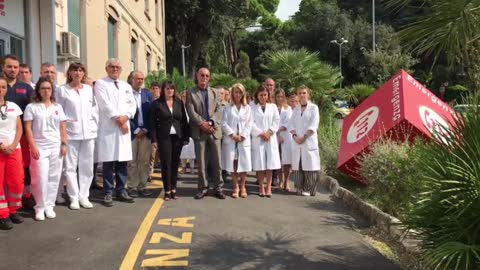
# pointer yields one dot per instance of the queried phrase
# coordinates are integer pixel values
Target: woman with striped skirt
(303, 126)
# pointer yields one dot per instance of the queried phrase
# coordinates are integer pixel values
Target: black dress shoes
(219, 194)
(201, 194)
(123, 197)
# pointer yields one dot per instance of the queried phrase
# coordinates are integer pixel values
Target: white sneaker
(86, 204)
(49, 213)
(305, 193)
(39, 215)
(60, 199)
(74, 205)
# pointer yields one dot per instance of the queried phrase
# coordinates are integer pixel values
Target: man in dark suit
(206, 111)
(139, 166)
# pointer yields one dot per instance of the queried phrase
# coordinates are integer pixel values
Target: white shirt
(172, 129)
(45, 123)
(138, 98)
(8, 126)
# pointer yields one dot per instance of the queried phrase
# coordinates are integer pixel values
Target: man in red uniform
(20, 94)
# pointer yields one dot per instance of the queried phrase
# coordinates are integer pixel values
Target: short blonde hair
(241, 88)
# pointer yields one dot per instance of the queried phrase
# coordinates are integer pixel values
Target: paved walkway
(284, 232)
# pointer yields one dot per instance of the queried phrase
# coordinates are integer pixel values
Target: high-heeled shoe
(173, 195)
(235, 193)
(167, 196)
(243, 193)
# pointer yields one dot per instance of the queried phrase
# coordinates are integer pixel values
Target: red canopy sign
(401, 109)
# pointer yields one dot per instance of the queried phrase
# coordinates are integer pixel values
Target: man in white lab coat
(117, 106)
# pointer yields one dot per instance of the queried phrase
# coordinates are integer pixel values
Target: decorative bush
(182, 83)
(329, 138)
(392, 172)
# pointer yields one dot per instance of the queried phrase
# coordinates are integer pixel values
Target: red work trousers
(11, 183)
(25, 151)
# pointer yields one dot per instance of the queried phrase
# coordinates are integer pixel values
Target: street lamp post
(183, 57)
(340, 43)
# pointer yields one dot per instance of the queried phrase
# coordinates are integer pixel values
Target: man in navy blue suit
(139, 166)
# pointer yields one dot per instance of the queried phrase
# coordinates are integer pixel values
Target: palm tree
(450, 29)
(294, 68)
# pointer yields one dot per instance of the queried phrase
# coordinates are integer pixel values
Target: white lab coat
(112, 144)
(265, 154)
(237, 122)
(308, 151)
(81, 111)
(285, 115)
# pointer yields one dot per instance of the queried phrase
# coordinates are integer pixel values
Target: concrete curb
(390, 225)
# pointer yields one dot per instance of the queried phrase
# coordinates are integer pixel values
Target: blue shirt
(20, 93)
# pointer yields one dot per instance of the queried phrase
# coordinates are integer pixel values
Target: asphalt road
(283, 232)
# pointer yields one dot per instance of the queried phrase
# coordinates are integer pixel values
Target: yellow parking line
(137, 243)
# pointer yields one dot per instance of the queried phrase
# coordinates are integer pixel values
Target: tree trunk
(233, 55)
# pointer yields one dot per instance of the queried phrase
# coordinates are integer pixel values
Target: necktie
(207, 113)
(116, 84)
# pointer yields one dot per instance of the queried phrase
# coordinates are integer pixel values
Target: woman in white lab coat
(81, 111)
(305, 153)
(237, 125)
(45, 127)
(284, 137)
(265, 154)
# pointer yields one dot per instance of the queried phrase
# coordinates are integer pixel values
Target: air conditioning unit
(70, 45)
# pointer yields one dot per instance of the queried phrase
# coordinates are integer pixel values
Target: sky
(287, 8)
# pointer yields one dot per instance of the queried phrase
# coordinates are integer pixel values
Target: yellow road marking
(137, 243)
(155, 184)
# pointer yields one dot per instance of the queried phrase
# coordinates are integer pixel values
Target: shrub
(392, 172)
(250, 84)
(182, 83)
(357, 93)
(329, 137)
(223, 79)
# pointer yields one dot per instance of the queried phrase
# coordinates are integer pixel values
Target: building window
(147, 9)
(149, 62)
(112, 23)
(74, 22)
(157, 15)
(16, 48)
(134, 51)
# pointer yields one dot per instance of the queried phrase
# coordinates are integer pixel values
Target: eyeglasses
(115, 67)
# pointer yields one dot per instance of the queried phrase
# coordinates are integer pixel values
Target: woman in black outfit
(170, 132)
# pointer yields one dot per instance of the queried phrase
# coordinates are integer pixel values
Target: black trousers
(170, 157)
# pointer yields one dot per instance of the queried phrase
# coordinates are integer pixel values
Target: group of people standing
(52, 137)
(266, 135)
